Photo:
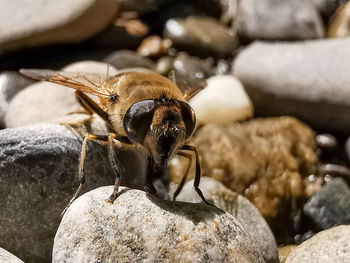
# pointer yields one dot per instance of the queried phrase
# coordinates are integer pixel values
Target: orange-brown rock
(340, 26)
(264, 159)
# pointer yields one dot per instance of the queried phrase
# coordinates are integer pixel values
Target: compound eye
(138, 119)
(188, 117)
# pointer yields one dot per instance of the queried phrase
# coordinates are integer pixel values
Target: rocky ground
(272, 132)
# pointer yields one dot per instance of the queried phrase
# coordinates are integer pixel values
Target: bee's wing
(190, 87)
(85, 82)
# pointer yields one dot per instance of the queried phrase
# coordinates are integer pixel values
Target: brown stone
(263, 159)
(341, 23)
(154, 46)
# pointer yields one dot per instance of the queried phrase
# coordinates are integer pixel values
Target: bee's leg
(197, 176)
(91, 106)
(81, 174)
(115, 165)
(183, 180)
(149, 187)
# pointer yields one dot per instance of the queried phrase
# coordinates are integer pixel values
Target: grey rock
(38, 176)
(142, 228)
(201, 36)
(330, 206)
(127, 59)
(40, 102)
(193, 67)
(45, 22)
(326, 141)
(347, 148)
(289, 79)
(10, 84)
(164, 65)
(245, 212)
(44, 101)
(335, 169)
(329, 246)
(7, 257)
(278, 19)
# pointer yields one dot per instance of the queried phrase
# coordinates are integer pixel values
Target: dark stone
(117, 37)
(326, 141)
(193, 67)
(127, 59)
(201, 36)
(330, 206)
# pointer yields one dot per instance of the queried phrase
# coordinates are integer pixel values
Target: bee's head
(161, 125)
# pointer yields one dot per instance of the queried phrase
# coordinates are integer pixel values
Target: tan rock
(263, 159)
(341, 23)
(283, 252)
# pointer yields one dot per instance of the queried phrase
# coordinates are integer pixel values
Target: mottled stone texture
(330, 206)
(329, 246)
(38, 176)
(237, 205)
(264, 159)
(142, 228)
(7, 257)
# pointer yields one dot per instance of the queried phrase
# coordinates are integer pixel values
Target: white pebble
(224, 100)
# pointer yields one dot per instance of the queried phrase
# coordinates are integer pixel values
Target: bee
(140, 109)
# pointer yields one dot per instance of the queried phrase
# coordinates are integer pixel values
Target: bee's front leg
(116, 166)
(197, 176)
(149, 187)
(81, 173)
(183, 180)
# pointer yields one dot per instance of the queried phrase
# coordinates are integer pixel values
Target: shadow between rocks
(196, 212)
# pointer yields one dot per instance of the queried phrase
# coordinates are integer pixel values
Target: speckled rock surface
(264, 159)
(330, 206)
(38, 176)
(142, 228)
(329, 246)
(44, 101)
(281, 19)
(307, 80)
(7, 257)
(249, 217)
(49, 22)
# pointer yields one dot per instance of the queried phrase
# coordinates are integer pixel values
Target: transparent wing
(85, 82)
(188, 86)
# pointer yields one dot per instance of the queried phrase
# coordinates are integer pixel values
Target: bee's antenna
(171, 76)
